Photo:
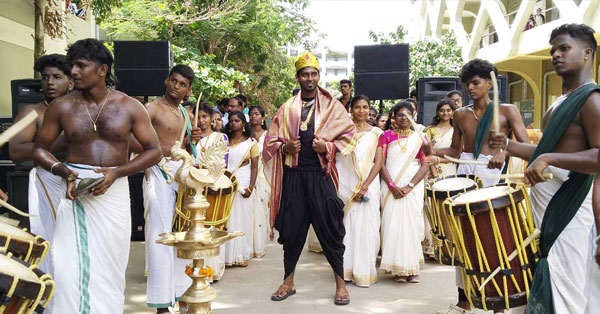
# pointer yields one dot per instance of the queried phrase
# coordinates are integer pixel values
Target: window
(335, 56)
(336, 71)
(293, 52)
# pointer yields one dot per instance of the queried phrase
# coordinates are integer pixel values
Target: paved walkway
(248, 290)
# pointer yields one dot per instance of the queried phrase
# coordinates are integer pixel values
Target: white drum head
(483, 194)
(453, 184)
(16, 233)
(13, 268)
(223, 182)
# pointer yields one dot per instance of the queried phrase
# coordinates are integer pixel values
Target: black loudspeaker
(141, 67)
(25, 92)
(137, 207)
(18, 195)
(142, 54)
(381, 71)
(430, 90)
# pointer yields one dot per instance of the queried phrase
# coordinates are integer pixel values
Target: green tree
(239, 46)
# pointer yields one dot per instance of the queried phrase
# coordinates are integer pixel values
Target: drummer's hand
(3, 196)
(497, 161)
(497, 140)
(196, 135)
(319, 146)
(110, 175)
(533, 173)
(397, 193)
(405, 190)
(246, 194)
(71, 185)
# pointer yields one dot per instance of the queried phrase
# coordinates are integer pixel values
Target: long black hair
(379, 117)
(443, 102)
(261, 110)
(356, 98)
(247, 130)
(93, 50)
(394, 112)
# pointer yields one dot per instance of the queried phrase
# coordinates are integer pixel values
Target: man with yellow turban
(299, 152)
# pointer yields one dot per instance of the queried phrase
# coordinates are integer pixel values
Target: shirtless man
(166, 277)
(568, 150)
(475, 75)
(91, 239)
(45, 189)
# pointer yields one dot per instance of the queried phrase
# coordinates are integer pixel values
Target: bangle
(391, 184)
(54, 165)
(281, 149)
(506, 146)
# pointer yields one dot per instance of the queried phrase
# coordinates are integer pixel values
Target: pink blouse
(390, 136)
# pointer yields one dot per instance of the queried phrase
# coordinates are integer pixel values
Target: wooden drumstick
(17, 127)
(463, 161)
(13, 209)
(547, 176)
(196, 113)
(531, 237)
(496, 120)
(414, 124)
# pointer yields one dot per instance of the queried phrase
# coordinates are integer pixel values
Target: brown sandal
(277, 295)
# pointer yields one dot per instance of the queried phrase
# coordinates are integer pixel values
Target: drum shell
(25, 290)
(438, 219)
(223, 198)
(20, 248)
(483, 222)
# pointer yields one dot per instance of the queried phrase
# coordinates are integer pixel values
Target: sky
(346, 23)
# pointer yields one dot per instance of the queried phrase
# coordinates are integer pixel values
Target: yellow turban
(306, 59)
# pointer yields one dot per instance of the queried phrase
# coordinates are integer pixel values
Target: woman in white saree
(243, 163)
(402, 198)
(359, 189)
(262, 188)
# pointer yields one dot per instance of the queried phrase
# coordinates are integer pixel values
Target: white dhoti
(166, 273)
(569, 257)
(91, 249)
(45, 193)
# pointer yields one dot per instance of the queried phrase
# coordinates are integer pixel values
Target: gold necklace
(406, 132)
(360, 125)
(203, 147)
(176, 112)
(46, 102)
(99, 112)
(304, 123)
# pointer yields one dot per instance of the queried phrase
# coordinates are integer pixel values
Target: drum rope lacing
(28, 257)
(526, 216)
(31, 306)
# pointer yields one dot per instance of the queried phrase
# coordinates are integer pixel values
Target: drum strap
(412, 155)
(47, 195)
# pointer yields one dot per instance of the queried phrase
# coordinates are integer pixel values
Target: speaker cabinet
(25, 92)
(137, 207)
(141, 67)
(381, 71)
(142, 82)
(18, 195)
(430, 90)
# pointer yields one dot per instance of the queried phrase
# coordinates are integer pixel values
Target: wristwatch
(412, 185)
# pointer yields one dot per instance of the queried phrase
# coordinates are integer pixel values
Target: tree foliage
(427, 56)
(235, 48)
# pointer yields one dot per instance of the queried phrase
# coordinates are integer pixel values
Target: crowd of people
(357, 176)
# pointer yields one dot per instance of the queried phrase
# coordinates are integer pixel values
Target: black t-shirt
(308, 158)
